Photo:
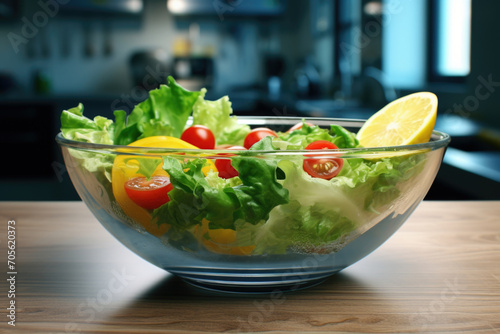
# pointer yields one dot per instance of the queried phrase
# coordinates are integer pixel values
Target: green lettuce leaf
(164, 113)
(222, 203)
(147, 166)
(99, 163)
(375, 182)
(320, 212)
(343, 137)
(217, 182)
(216, 115)
(300, 138)
(75, 126)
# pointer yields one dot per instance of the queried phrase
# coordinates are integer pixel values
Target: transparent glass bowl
(224, 262)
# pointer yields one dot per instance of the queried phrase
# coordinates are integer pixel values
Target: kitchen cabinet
(28, 129)
(32, 167)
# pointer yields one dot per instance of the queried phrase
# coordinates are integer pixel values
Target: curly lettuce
(298, 139)
(216, 115)
(164, 113)
(77, 127)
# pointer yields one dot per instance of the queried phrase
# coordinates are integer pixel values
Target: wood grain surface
(439, 273)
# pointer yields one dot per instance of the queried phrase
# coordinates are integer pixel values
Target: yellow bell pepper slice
(220, 240)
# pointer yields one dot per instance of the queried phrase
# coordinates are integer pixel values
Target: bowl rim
(438, 140)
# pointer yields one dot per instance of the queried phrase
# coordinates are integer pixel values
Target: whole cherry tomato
(199, 136)
(226, 171)
(256, 135)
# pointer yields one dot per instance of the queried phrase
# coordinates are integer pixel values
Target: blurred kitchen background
(321, 58)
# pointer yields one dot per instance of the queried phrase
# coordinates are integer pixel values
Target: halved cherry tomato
(299, 126)
(257, 134)
(325, 168)
(226, 171)
(199, 136)
(149, 194)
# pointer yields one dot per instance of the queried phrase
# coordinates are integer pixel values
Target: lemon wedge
(405, 121)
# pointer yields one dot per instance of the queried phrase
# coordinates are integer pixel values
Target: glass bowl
(323, 227)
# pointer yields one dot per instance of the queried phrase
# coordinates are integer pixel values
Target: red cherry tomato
(257, 134)
(199, 136)
(325, 168)
(299, 126)
(226, 171)
(149, 194)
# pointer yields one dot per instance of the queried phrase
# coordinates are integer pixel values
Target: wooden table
(439, 273)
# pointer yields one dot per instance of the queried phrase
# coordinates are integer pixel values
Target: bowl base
(253, 280)
(253, 289)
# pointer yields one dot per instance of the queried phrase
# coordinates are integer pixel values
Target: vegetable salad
(235, 204)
